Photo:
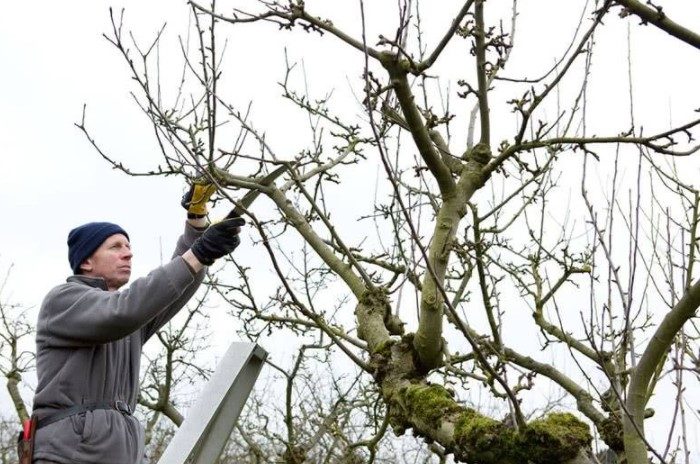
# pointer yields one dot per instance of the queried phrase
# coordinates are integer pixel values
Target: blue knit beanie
(85, 239)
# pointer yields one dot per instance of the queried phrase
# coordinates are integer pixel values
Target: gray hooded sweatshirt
(89, 344)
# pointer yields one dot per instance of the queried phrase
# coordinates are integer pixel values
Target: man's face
(111, 261)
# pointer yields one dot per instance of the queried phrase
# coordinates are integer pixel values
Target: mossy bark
(432, 412)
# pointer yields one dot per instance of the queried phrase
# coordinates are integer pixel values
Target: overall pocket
(89, 426)
(78, 423)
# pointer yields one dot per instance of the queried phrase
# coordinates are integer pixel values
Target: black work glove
(218, 240)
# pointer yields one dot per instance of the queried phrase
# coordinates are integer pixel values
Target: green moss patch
(555, 438)
(480, 439)
(429, 403)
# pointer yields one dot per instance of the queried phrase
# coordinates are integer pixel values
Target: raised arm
(74, 314)
(215, 242)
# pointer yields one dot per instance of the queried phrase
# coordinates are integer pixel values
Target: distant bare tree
(8, 440)
(15, 359)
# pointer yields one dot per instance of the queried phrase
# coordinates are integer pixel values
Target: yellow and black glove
(196, 198)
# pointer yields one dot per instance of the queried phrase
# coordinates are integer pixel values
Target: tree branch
(658, 18)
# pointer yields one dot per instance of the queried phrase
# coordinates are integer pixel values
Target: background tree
(16, 358)
(473, 221)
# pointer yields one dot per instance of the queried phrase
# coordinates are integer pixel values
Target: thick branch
(167, 409)
(584, 401)
(297, 220)
(428, 341)
(654, 353)
(13, 389)
(417, 127)
(432, 412)
(659, 19)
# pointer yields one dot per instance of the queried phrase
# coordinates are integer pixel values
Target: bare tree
(15, 358)
(466, 225)
(8, 440)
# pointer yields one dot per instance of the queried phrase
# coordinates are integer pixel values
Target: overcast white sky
(53, 59)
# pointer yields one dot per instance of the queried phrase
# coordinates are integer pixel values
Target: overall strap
(120, 406)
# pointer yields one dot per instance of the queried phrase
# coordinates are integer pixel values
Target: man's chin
(119, 282)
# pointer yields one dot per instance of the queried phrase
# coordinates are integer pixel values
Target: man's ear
(86, 266)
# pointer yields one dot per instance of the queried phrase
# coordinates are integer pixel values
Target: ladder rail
(210, 421)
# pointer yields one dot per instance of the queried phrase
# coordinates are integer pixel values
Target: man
(90, 335)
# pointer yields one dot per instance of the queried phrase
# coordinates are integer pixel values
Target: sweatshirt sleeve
(76, 315)
(183, 244)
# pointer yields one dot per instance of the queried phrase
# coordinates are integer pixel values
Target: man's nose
(127, 254)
